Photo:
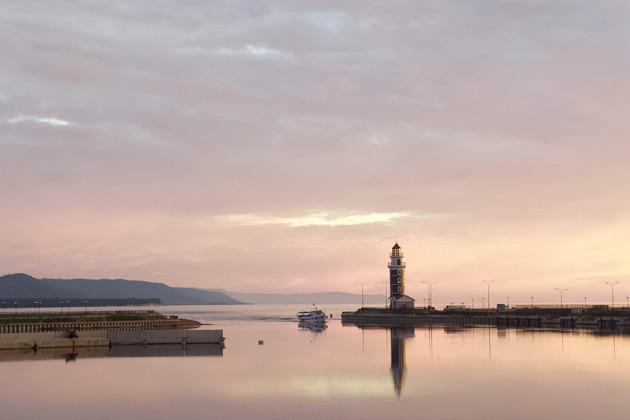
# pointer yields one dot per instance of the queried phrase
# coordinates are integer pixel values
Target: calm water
(342, 372)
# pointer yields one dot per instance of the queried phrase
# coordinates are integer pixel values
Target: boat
(315, 315)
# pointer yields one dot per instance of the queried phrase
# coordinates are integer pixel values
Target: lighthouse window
(399, 272)
(399, 289)
(398, 261)
(398, 279)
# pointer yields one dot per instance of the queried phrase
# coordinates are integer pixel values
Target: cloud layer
(283, 146)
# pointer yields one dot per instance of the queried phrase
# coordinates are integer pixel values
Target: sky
(284, 147)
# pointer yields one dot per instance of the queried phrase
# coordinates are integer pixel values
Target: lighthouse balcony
(396, 255)
(402, 264)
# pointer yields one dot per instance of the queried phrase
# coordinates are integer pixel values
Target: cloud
(254, 51)
(55, 122)
(318, 219)
(326, 125)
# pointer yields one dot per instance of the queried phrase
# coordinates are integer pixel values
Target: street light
(37, 305)
(362, 284)
(612, 291)
(430, 291)
(3, 303)
(386, 283)
(472, 303)
(85, 302)
(561, 292)
(483, 303)
(16, 304)
(585, 301)
(488, 283)
(532, 298)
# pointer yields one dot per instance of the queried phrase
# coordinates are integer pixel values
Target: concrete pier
(556, 318)
(96, 329)
(44, 340)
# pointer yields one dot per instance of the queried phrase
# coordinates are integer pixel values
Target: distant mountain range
(24, 288)
(304, 298)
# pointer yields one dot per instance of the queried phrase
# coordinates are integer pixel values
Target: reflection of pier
(398, 365)
(156, 350)
(486, 338)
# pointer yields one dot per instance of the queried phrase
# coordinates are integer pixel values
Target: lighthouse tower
(397, 297)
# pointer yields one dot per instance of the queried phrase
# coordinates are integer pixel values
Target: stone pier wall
(60, 339)
(167, 337)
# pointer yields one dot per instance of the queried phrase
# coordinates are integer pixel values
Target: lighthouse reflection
(398, 356)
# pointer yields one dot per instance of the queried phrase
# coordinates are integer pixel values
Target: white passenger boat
(316, 315)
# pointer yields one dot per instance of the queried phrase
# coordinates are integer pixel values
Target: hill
(23, 286)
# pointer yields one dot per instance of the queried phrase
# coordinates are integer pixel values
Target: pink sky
(285, 146)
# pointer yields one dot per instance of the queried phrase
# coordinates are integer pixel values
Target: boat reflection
(316, 327)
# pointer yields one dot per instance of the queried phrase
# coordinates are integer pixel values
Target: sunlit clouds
(316, 219)
(254, 51)
(285, 147)
(55, 122)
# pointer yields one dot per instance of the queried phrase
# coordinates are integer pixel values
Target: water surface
(342, 372)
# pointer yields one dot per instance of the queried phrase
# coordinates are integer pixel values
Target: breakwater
(92, 329)
(597, 319)
(90, 321)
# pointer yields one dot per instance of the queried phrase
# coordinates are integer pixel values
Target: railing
(86, 325)
(402, 264)
(80, 316)
(75, 311)
(398, 255)
(568, 306)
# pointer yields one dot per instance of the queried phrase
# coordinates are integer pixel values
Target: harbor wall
(166, 337)
(385, 319)
(59, 339)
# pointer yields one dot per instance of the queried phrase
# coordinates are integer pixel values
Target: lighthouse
(396, 265)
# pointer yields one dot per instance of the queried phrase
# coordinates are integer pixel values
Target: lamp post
(488, 283)
(68, 303)
(37, 306)
(16, 304)
(3, 303)
(386, 283)
(362, 284)
(612, 291)
(85, 302)
(483, 303)
(472, 303)
(585, 301)
(561, 292)
(430, 291)
(532, 298)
